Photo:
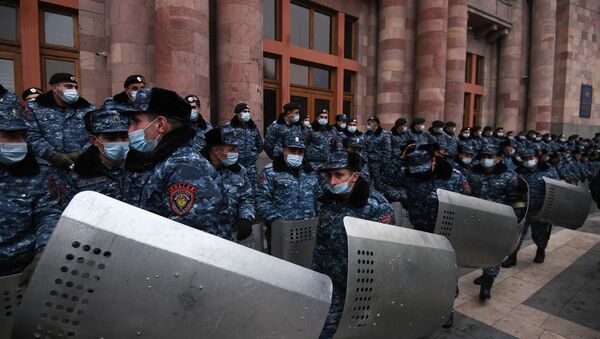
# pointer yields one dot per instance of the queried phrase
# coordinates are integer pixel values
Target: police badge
(181, 197)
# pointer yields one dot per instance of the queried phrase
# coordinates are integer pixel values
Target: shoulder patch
(385, 218)
(181, 197)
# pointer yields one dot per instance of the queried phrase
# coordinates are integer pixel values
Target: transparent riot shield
(111, 270)
(482, 232)
(565, 205)
(294, 241)
(401, 282)
(11, 295)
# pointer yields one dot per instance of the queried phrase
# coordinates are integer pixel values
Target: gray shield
(401, 282)
(256, 239)
(11, 295)
(482, 232)
(565, 205)
(294, 241)
(111, 270)
(401, 215)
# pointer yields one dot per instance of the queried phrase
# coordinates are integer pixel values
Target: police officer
(452, 142)
(417, 133)
(101, 167)
(55, 121)
(31, 93)
(476, 140)
(508, 155)
(166, 176)
(125, 99)
(437, 135)
(379, 147)
(248, 139)
(287, 188)
(357, 145)
(352, 130)
(341, 122)
(29, 206)
(399, 137)
(198, 123)
(223, 152)
(348, 195)
(287, 123)
(533, 171)
(499, 136)
(464, 160)
(491, 180)
(488, 135)
(321, 141)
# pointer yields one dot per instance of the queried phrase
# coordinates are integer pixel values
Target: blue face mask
(341, 189)
(115, 151)
(69, 96)
(194, 115)
(245, 116)
(295, 118)
(487, 163)
(323, 122)
(12, 152)
(294, 160)
(230, 158)
(138, 141)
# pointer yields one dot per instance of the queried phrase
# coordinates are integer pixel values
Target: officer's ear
(93, 140)
(162, 124)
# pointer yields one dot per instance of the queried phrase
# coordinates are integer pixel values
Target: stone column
(392, 64)
(129, 40)
(431, 59)
(511, 73)
(181, 49)
(239, 57)
(455, 61)
(541, 73)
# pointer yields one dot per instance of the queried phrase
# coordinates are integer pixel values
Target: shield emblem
(182, 196)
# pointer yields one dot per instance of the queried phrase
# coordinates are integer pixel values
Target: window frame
(42, 25)
(17, 42)
(18, 71)
(312, 8)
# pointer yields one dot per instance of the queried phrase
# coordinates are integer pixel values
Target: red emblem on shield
(181, 197)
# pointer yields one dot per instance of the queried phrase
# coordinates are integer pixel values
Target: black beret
(290, 106)
(192, 98)
(437, 124)
(60, 77)
(374, 118)
(240, 107)
(134, 79)
(341, 117)
(418, 121)
(400, 122)
(30, 91)
(488, 128)
(450, 124)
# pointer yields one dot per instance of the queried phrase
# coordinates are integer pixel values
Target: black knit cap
(437, 124)
(240, 107)
(134, 79)
(60, 77)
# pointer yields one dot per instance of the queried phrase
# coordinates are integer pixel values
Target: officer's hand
(28, 271)
(244, 228)
(61, 160)
(74, 155)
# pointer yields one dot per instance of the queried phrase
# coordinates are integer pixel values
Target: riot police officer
(437, 135)
(166, 176)
(125, 99)
(464, 160)
(399, 137)
(248, 139)
(452, 142)
(29, 194)
(287, 188)
(348, 195)
(417, 133)
(491, 180)
(55, 121)
(287, 123)
(321, 141)
(101, 167)
(198, 123)
(379, 147)
(222, 151)
(341, 122)
(31, 94)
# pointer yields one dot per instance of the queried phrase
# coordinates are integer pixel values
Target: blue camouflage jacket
(53, 129)
(320, 142)
(378, 146)
(500, 186)
(239, 190)
(118, 102)
(178, 183)
(399, 142)
(201, 127)
(249, 141)
(286, 193)
(416, 137)
(275, 135)
(393, 180)
(31, 195)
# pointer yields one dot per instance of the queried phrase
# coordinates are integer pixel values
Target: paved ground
(557, 299)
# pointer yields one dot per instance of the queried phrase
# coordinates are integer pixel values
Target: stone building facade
(520, 64)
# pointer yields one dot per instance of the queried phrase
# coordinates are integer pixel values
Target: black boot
(479, 281)
(450, 322)
(510, 261)
(486, 288)
(540, 255)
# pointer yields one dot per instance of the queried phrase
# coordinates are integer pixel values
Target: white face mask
(466, 161)
(530, 163)
(306, 123)
(295, 118)
(132, 95)
(351, 129)
(404, 128)
(343, 125)
(69, 96)
(323, 122)
(500, 134)
(466, 135)
(440, 130)
(487, 163)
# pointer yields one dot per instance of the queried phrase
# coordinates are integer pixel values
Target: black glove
(74, 155)
(61, 160)
(244, 228)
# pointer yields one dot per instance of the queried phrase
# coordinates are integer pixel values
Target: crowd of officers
(152, 148)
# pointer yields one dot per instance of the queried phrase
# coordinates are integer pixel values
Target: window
(479, 70)
(299, 74)
(269, 68)
(348, 82)
(59, 40)
(350, 38)
(310, 28)
(310, 76)
(474, 79)
(348, 103)
(7, 73)
(270, 19)
(320, 78)
(271, 89)
(8, 23)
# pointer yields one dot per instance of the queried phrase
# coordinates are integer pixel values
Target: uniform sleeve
(246, 208)
(512, 190)
(462, 184)
(386, 152)
(35, 137)
(264, 197)
(270, 140)
(46, 212)
(384, 213)
(391, 183)
(260, 144)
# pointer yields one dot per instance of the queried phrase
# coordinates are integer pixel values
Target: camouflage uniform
(416, 137)
(321, 141)
(393, 180)
(30, 198)
(399, 142)
(330, 256)
(442, 139)
(249, 142)
(118, 102)
(276, 132)
(54, 129)
(201, 127)
(379, 151)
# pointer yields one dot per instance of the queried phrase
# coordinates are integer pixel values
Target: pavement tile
(516, 289)
(551, 335)
(530, 315)
(487, 312)
(569, 329)
(536, 274)
(514, 325)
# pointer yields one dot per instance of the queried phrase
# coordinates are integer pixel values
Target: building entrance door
(312, 101)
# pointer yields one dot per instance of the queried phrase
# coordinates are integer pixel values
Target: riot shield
(294, 241)
(11, 295)
(256, 239)
(565, 205)
(481, 232)
(401, 282)
(401, 215)
(521, 208)
(111, 270)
